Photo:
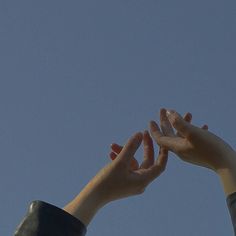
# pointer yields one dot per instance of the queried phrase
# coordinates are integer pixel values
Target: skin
(124, 176)
(121, 178)
(196, 145)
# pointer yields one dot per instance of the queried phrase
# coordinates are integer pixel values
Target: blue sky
(78, 75)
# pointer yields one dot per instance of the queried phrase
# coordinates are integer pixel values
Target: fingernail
(169, 113)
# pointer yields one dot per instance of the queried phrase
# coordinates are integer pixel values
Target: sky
(78, 75)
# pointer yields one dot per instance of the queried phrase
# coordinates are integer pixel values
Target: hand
(148, 158)
(196, 145)
(191, 144)
(124, 177)
(119, 179)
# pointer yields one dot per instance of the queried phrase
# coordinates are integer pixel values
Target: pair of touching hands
(124, 176)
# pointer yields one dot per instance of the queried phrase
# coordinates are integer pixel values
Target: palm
(190, 143)
(137, 170)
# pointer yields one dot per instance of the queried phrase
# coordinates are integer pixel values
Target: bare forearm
(228, 176)
(86, 204)
(118, 179)
(228, 180)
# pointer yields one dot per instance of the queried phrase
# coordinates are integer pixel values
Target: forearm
(86, 204)
(227, 176)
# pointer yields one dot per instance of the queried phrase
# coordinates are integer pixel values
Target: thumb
(183, 127)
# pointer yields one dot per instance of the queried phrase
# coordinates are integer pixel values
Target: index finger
(165, 124)
(131, 147)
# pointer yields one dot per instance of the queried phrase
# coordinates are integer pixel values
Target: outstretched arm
(119, 179)
(200, 147)
(197, 146)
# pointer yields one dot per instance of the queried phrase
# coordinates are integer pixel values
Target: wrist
(86, 204)
(227, 175)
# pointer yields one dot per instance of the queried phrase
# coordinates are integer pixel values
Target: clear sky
(78, 75)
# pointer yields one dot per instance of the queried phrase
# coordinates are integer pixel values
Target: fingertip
(170, 114)
(131, 146)
(153, 125)
(163, 112)
(174, 117)
(145, 131)
(115, 147)
(138, 136)
(136, 139)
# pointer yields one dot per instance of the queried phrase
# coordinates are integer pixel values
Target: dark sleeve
(231, 202)
(43, 219)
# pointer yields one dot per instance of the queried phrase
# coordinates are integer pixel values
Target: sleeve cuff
(44, 219)
(231, 202)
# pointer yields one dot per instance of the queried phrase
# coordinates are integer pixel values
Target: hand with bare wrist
(124, 177)
(196, 145)
(121, 178)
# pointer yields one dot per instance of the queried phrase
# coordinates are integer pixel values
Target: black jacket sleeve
(44, 219)
(231, 202)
